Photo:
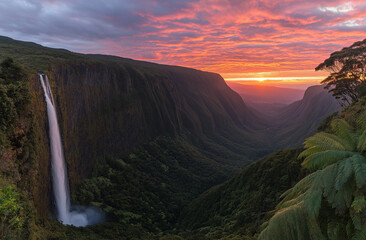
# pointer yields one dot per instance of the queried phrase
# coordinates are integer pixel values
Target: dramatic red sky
(240, 39)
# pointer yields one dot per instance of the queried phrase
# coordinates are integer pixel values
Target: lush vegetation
(150, 186)
(164, 137)
(239, 206)
(143, 140)
(329, 203)
(347, 72)
(17, 153)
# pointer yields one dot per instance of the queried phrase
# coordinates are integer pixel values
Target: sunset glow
(241, 40)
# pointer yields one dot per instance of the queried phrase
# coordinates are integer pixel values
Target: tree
(329, 203)
(11, 72)
(347, 69)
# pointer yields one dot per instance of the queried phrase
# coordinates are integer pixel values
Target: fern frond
(313, 202)
(361, 145)
(361, 121)
(302, 186)
(357, 221)
(309, 151)
(343, 198)
(359, 168)
(290, 223)
(344, 130)
(328, 141)
(345, 171)
(360, 235)
(339, 180)
(320, 160)
(333, 230)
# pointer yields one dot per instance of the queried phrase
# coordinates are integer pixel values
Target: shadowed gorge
(288, 125)
(142, 141)
(239, 206)
(149, 134)
(182, 120)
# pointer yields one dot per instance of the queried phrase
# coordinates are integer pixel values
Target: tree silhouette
(347, 69)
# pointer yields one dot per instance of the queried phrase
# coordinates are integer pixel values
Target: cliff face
(161, 131)
(110, 108)
(300, 119)
(43, 195)
(289, 125)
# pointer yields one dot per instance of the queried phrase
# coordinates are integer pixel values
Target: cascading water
(80, 216)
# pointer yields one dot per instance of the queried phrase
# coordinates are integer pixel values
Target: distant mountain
(288, 125)
(266, 94)
(299, 120)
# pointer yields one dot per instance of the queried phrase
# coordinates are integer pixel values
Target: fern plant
(329, 203)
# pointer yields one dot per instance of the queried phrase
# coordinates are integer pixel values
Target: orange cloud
(225, 36)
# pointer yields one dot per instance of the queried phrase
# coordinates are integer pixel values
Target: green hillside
(240, 205)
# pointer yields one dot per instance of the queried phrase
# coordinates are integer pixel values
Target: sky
(270, 40)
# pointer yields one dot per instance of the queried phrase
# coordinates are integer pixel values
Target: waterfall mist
(70, 215)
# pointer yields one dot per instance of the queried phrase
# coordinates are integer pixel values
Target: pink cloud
(225, 36)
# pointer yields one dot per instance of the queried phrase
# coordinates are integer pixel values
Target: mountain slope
(288, 125)
(140, 139)
(239, 206)
(300, 119)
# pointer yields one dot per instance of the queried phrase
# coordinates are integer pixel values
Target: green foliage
(348, 67)
(10, 212)
(329, 203)
(150, 186)
(238, 207)
(325, 124)
(17, 153)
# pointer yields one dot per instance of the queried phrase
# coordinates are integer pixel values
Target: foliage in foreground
(329, 203)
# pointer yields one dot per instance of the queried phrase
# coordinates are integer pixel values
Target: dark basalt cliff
(108, 109)
(116, 108)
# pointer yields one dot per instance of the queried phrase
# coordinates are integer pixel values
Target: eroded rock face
(43, 196)
(108, 108)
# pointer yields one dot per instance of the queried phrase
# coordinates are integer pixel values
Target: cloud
(224, 36)
(342, 8)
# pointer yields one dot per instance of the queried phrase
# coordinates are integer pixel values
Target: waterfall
(79, 216)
